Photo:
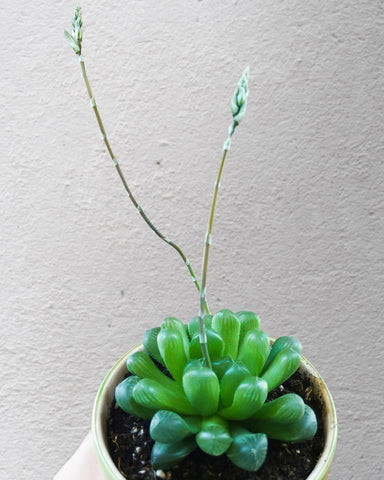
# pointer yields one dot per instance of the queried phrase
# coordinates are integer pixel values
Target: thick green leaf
(227, 325)
(167, 455)
(201, 386)
(215, 345)
(192, 364)
(254, 350)
(222, 365)
(285, 409)
(303, 429)
(171, 347)
(150, 343)
(248, 321)
(284, 365)
(174, 324)
(140, 364)
(194, 324)
(248, 450)
(230, 381)
(214, 437)
(169, 427)
(124, 398)
(250, 395)
(279, 344)
(152, 394)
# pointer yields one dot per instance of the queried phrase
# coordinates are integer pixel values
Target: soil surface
(130, 446)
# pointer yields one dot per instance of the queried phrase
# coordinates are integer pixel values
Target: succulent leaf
(248, 450)
(215, 345)
(194, 324)
(140, 364)
(201, 386)
(230, 381)
(174, 324)
(254, 350)
(249, 397)
(222, 365)
(171, 347)
(167, 455)
(152, 394)
(281, 343)
(124, 398)
(150, 344)
(227, 325)
(214, 437)
(285, 409)
(248, 321)
(284, 365)
(169, 427)
(298, 431)
(192, 364)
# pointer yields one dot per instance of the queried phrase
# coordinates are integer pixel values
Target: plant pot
(105, 396)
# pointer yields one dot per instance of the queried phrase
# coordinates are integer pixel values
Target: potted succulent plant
(207, 399)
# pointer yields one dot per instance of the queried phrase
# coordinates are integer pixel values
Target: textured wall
(299, 228)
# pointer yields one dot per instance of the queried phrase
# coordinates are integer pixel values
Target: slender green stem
(238, 106)
(128, 190)
(207, 244)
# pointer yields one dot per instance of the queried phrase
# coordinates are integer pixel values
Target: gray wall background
(298, 235)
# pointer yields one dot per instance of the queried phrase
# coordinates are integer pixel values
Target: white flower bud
(76, 38)
(239, 98)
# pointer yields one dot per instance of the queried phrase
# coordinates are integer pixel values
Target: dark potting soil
(130, 446)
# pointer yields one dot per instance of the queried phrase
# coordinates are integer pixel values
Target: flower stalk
(238, 107)
(75, 40)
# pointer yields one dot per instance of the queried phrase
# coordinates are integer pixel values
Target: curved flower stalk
(222, 410)
(75, 40)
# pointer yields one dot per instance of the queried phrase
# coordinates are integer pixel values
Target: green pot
(105, 395)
